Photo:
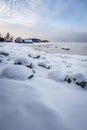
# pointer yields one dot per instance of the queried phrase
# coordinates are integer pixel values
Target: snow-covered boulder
(34, 55)
(17, 72)
(4, 53)
(23, 61)
(56, 75)
(66, 48)
(77, 78)
(44, 64)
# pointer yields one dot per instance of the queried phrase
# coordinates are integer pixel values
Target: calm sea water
(75, 48)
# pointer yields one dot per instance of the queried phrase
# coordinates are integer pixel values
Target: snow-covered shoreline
(44, 101)
(73, 48)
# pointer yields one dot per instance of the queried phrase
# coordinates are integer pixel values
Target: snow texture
(45, 102)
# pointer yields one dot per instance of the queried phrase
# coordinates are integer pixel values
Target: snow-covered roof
(27, 40)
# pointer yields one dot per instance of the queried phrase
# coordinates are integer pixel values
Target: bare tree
(7, 36)
(12, 38)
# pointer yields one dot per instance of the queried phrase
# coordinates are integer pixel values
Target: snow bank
(17, 72)
(21, 108)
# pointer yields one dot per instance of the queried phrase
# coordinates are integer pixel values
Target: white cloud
(41, 18)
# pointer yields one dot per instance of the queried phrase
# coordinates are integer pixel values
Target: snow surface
(44, 102)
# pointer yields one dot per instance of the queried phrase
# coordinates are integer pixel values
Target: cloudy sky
(49, 19)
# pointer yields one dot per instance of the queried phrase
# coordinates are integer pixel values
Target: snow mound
(4, 53)
(66, 48)
(78, 78)
(34, 55)
(17, 72)
(44, 64)
(56, 75)
(23, 61)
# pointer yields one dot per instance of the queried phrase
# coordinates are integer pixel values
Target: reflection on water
(65, 48)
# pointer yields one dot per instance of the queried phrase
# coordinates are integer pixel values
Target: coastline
(73, 48)
(46, 100)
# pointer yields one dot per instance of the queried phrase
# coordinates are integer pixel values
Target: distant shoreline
(57, 47)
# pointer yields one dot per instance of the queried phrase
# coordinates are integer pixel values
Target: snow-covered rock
(34, 55)
(17, 72)
(4, 53)
(23, 61)
(78, 78)
(56, 75)
(44, 64)
(66, 48)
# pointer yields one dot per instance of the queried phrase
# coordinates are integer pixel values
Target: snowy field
(42, 91)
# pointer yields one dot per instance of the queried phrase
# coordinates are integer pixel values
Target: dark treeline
(2, 39)
(9, 38)
(6, 38)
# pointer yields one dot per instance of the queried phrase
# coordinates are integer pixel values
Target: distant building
(45, 41)
(7, 40)
(27, 41)
(36, 40)
(31, 40)
(19, 40)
